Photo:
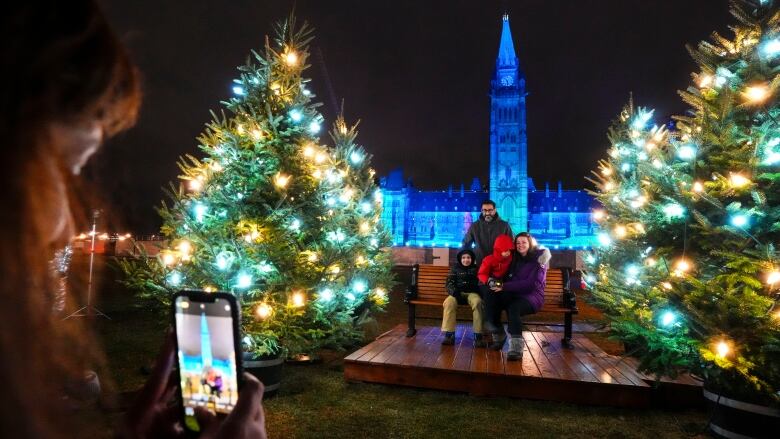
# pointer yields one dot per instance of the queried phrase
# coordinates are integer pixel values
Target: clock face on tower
(507, 80)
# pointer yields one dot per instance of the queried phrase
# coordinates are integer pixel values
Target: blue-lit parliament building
(558, 218)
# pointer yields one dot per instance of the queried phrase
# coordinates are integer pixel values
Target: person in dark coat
(521, 293)
(483, 232)
(462, 289)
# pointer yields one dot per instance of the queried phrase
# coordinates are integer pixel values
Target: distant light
(296, 115)
(238, 90)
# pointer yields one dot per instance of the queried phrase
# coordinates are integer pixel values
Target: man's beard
(489, 218)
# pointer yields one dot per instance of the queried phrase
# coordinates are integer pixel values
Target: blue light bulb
(296, 115)
(314, 127)
(244, 280)
(238, 90)
(686, 152)
(739, 220)
(668, 318)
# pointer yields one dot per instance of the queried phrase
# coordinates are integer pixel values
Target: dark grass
(315, 401)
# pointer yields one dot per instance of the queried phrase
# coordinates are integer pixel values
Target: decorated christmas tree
(686, 268)
(274, 216)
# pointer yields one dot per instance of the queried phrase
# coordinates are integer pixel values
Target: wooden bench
(428, 288)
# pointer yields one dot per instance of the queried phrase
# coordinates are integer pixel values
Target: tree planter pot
(267, 369)
(735, 419)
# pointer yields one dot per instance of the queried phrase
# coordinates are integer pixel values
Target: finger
(158, 381)
(250, 400)
(208, 422)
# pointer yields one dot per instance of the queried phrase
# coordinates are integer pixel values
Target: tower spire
(506, 49)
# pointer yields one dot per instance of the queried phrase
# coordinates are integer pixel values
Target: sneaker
(479, 341)
(449, 338)
(498, 341)
(515, 349)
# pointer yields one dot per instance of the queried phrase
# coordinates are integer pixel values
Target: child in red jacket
(495, 266)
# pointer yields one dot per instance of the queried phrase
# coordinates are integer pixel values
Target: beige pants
(450, 310)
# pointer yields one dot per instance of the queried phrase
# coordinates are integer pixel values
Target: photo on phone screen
(206, 354)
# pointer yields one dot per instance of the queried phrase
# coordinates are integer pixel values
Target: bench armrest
(411, 289)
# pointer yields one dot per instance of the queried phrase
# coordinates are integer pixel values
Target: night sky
(416, 73)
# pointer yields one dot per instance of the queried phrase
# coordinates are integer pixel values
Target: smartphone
(208, 351)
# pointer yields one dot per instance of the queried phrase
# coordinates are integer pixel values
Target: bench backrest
(430, 282)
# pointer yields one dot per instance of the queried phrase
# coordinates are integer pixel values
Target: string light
(244, 281)
(264, 310)
(674, 210)
(739, 220)
(296, 115)
(298, 299)
(668, 318)
(308, 151)
(686, 152)
(291, 58)
(604, 239)
(281, 180)
(326, 295)
(705, 81)
(722, 348)
(365, 227)
(238, 90)
(698, 187)
(168, 259)
(598, 214)
(620, 231)
(773, 278)
(738, 180)
(756, 93)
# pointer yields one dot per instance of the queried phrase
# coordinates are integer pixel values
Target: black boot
(498, 341)
(479, 341)
(449, 338)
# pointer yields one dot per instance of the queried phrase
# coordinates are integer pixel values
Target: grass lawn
(315, 401)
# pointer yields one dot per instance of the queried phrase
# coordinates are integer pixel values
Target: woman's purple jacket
(527, 279)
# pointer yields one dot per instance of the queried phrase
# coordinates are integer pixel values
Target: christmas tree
(686, 269)
(274, 216)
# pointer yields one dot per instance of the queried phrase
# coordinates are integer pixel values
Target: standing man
(485, 230)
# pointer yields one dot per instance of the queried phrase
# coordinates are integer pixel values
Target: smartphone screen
(206, 349)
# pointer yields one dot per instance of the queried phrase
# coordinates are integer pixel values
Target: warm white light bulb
(756, 94)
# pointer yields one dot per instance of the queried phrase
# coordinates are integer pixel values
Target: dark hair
(63, 66)
(491, 202)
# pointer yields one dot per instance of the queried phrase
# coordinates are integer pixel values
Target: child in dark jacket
(463, 288)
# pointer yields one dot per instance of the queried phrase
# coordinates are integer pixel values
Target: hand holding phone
(208, 353)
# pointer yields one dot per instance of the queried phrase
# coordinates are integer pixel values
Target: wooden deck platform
(584, 374)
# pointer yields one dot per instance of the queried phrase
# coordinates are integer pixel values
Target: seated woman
(462, 288)
(521, 293)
